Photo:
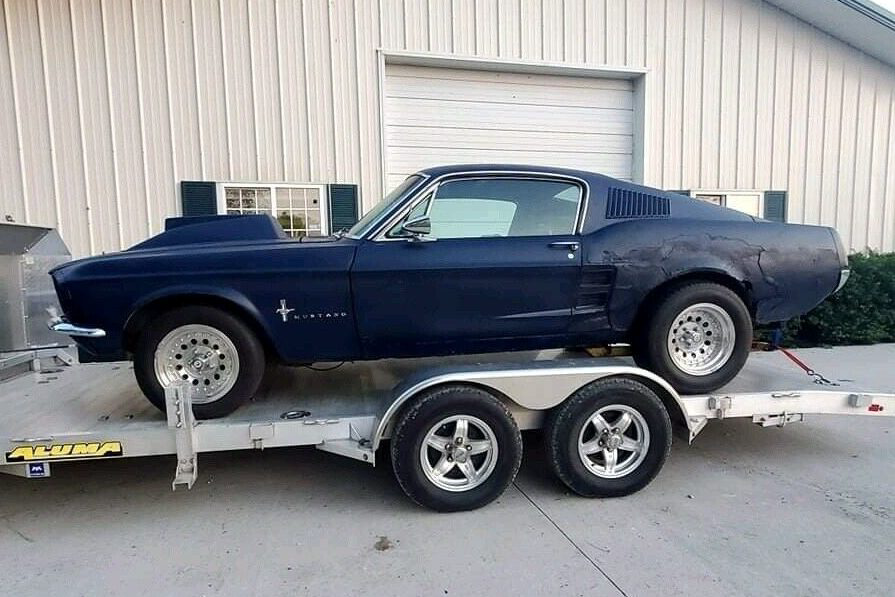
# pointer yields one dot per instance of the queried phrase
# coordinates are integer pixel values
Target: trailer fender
(533, 388)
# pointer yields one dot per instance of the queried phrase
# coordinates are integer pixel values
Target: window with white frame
(299, 208)
(750, 202)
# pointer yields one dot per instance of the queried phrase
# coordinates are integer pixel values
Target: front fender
(201, 293)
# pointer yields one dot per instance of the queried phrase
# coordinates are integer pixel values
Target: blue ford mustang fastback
(457, 259)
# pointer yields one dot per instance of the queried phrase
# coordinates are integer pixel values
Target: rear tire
(697, 337)
(455, 448)
(223, 361)
(608, 439)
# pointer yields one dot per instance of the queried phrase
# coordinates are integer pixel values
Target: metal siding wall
(31, 127)
(106, 105)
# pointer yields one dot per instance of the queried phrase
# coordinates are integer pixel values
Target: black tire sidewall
(567, 420)
(654, 349)
(251, 357)
(428, 409)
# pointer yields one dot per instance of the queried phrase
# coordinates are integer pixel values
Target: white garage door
(436, 116)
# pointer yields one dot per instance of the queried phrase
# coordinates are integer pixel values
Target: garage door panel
(489, 77)
(435, 116)
(473, 138)
(508, 93)
(503, 116)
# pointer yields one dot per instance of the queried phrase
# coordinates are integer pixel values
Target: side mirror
(417, 226)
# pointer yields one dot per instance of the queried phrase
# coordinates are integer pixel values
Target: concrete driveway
(805, 510)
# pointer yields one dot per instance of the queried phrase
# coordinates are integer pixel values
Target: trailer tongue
(454, 423)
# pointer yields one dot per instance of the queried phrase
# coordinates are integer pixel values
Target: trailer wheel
(212, 351)
(455, 448)
(608, 439)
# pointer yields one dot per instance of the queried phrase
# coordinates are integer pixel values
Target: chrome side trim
(63, 327)
(385, 224)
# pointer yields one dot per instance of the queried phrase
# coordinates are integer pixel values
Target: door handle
(568, 245)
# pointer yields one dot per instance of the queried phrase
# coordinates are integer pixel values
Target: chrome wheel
(198, 355)
(701, 339)
(614, 441)
(459, 453)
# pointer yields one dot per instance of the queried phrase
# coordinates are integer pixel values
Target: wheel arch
(740, 286)
(232, 303)
(537, 388)
(405, 398)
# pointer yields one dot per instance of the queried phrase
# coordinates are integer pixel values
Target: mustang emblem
(284, 311)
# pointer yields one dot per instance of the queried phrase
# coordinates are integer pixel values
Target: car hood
(210, 229)
(190, 237)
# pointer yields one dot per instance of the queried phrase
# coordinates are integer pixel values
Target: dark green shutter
(775, 206)
(198, 198)
(343, 209)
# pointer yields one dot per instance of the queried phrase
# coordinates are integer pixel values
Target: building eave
(860, 23)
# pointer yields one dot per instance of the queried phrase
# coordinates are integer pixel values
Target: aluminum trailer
(453, 423)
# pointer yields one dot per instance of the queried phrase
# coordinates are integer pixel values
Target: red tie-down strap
(818, 378)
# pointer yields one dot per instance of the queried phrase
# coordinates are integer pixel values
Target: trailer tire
(440, 465)
(580, 446)
(246, 354)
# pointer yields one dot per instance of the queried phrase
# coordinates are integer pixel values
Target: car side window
(501, 207)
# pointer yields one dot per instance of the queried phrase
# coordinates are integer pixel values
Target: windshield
(371, 217)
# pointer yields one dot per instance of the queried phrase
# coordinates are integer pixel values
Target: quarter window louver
(624, 203)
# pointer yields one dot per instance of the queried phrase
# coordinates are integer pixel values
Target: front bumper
(57, 324)
(69, 329)
(95, 345)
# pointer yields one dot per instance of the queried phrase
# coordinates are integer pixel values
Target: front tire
(455, 448)
(698, 337)
(207, 350)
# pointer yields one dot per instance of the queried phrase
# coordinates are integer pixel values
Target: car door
(498, 270)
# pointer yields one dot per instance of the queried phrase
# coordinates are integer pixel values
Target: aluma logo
(63, 451)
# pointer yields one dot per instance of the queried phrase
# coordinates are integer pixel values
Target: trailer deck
(97, 411)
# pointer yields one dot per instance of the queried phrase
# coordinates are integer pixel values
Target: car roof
(437, 171)
(599, 185)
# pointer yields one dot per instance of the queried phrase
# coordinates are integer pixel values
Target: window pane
(248, 198)
(283, 198)
(465, 218)
(473, 208)
(313, 198)
(232, 199)
(716, 199)
(284, 220)
(263, 199)
(749, 203)
(298, 198)
(313, 218)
